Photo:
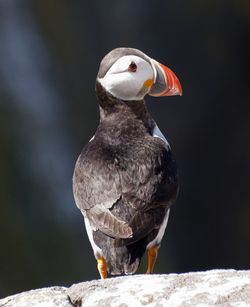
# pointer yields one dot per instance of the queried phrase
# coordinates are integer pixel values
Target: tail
(121, 258)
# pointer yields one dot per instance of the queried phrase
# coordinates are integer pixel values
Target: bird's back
(143, 175)
(125, 179)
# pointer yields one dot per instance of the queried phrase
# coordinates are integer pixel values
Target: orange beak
(166, 83)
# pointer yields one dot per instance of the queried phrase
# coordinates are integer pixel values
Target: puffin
(125, 179)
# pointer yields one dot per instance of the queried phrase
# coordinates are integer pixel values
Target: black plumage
(125, 179)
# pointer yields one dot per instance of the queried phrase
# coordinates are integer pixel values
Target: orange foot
(102, 267)
(152, 256)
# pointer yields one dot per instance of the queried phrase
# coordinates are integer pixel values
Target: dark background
(49, 57)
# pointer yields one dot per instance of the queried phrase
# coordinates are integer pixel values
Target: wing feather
(125, 193)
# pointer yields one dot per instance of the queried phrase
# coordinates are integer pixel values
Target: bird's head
(129, 74)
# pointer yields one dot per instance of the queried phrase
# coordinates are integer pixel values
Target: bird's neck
(114, 110)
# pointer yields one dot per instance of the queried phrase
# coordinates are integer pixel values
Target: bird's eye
(132, 67)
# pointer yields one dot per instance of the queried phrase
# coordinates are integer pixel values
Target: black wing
(125, 191)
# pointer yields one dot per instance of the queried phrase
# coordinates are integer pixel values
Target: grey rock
(45, 297)
(223, 288)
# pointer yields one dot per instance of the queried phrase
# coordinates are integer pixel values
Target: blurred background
(49, 57)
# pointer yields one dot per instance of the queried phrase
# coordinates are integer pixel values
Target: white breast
(158, 134)
(96, 249)
(92, 138)
(158, 238)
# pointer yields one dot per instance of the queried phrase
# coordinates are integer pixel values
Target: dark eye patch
(132, 67)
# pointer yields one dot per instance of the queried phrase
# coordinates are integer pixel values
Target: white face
(129, 78)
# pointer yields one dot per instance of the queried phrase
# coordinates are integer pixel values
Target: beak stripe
(166, 83)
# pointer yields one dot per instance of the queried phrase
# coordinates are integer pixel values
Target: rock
(45, 297)
(223, 288)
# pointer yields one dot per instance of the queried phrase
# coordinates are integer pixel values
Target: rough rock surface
(212, 288)
(45, 297)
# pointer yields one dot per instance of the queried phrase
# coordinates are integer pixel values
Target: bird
(125, 179)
